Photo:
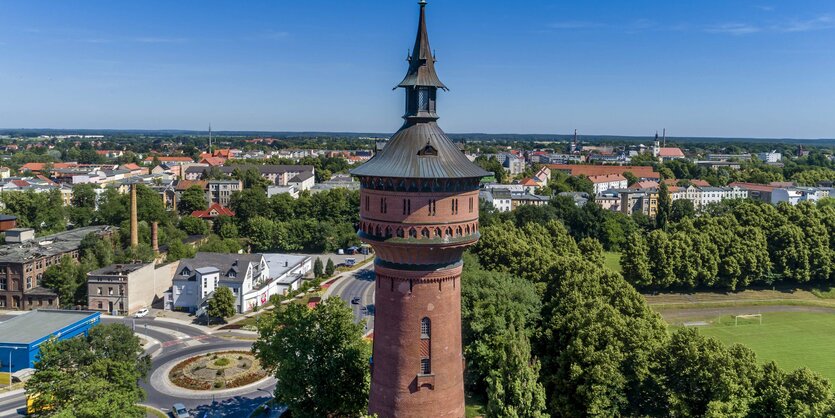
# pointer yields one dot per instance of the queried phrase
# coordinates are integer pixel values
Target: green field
(611, 260)
(792, 339)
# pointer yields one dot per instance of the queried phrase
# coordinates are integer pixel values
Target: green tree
(194, 226)
(513, 388)
(249, 203)
(329, 268)
(318, 269)
(682, 208)
(63, 279)
(192, 199)
(91, 376)
(84, 196)
(299, 345)
(491, 304)
(592, 250)
(664, 207)
(634, 261)
(221, 304)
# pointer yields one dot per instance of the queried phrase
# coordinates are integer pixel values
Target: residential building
(756, 191)
(499, 198)
(24, 258)
(641, 172)
(215, 210)
(122, 289)
(523, 199)
(513, 164)
(196, 279)
(795, 195)
(277, 174)
(729, 157)
(220, 191)
(770, 157)
(605, 182)
(286, 274)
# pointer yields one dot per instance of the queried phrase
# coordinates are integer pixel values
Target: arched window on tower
(425, 346)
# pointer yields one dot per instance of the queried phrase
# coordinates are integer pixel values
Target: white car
(141, 313)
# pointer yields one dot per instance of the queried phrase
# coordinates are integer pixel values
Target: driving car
(355, 300)
(179, 410)
(141, 313)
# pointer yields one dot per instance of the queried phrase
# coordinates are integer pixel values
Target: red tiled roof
(699, 183)
(20, 183)
(757, 187)
(164, 158)
(649, 184)
(670, 152)
(131, 166)
(213, 211)
(529, 182)
(185, 184)
(40, 166)
(213, 161)
(606, 178)
(639, 171)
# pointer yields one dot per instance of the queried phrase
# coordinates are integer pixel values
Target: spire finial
(422, 3)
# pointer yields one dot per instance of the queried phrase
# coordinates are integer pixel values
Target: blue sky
(698, 68)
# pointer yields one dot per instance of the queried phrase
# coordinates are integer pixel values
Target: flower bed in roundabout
(215, 371)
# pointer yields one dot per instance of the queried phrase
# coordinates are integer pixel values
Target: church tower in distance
(419, 211)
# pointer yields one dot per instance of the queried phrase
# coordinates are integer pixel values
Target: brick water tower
(419, 210)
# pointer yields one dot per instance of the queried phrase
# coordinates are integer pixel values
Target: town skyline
(698, 71)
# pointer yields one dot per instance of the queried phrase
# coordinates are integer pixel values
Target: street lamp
(10, 360)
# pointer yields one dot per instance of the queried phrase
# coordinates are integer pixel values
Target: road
(175, 340)
(359, 283)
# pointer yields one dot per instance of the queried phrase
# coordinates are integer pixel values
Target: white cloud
(733, 28)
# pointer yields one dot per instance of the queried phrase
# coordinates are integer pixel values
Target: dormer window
(185, 272)
(428, 150)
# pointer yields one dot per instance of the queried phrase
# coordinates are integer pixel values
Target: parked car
(350, 262)
(179, 410)
(141, 313)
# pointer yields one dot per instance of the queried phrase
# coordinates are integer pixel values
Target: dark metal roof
(400, 156)
(422, 62)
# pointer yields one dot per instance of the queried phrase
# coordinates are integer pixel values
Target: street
(359, 283)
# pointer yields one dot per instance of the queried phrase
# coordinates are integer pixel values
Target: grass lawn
(611, 260)
(792, 339)
(474, 407)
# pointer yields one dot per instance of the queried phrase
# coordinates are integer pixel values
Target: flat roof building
(22, 336)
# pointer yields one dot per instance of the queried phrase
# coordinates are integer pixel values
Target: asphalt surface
(182, 341)
(359, 284)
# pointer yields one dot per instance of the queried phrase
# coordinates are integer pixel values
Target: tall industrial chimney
(134, 223)
(155, 237)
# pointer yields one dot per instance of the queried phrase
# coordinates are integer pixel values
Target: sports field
(792, 339)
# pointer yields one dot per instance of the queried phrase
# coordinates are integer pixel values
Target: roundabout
(216, 371)
(210, 374)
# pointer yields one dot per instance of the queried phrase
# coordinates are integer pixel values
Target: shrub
(222, 362)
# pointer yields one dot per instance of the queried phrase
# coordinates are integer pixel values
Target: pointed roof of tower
(422, 61)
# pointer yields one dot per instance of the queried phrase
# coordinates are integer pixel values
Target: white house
(608, 181)
(286, 273)
(196, 279)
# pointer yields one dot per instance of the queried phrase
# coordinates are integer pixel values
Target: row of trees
(735, 245)
(596, 348)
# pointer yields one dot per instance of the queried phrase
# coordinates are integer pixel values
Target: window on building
(100, 306)
(110, 291)
(2, 302)
(2, 283)
(471, 205)
(425, 367)
(98, 291)
(425, 328)
(29, 282)
(425, 346)
(423, 98)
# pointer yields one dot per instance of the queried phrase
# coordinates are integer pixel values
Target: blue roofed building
(22, 336)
